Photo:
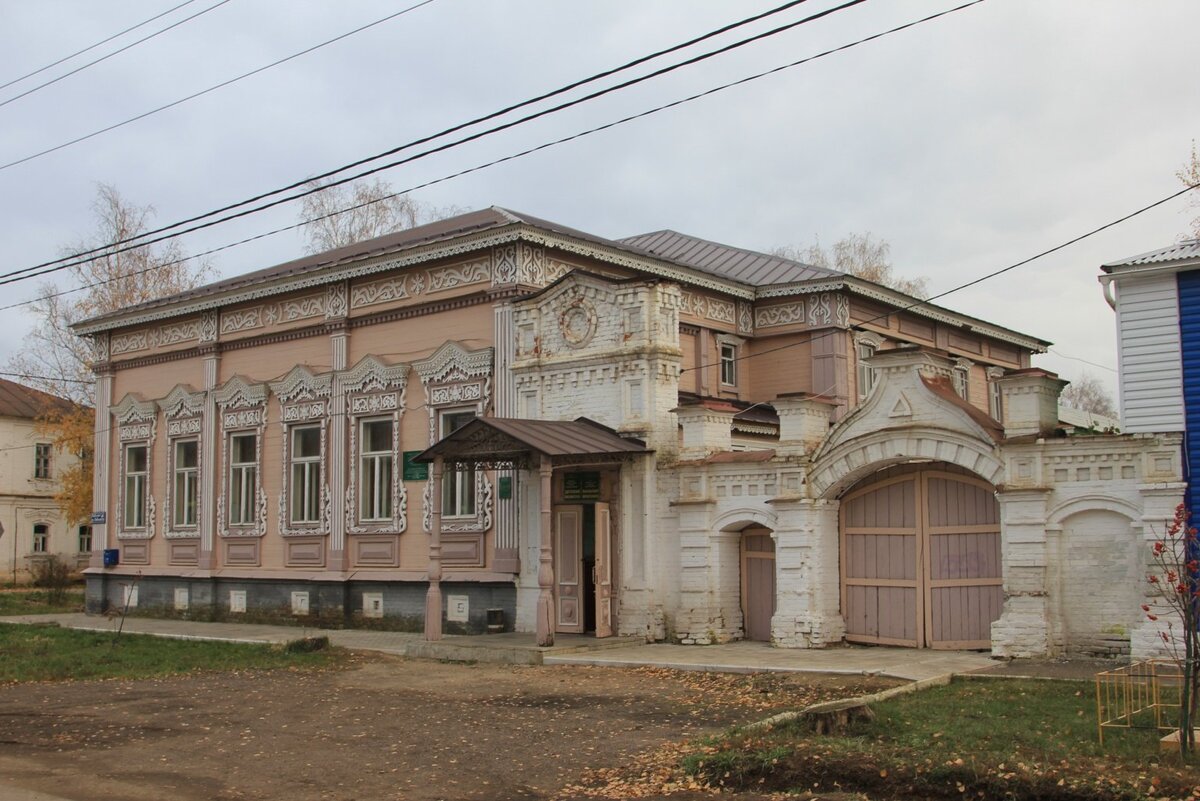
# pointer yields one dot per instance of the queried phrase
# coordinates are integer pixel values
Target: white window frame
(961, 378)
(190, 488)
(134, 495)
(304, 501)
(995, 394)
(83, 532)
(242, 410)
(41, 539)
(462, 479)
(374, 459)
(866, 345)
(246, 476)
(42, 463)
(728, 372)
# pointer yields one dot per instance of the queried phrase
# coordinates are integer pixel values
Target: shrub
(54, 575)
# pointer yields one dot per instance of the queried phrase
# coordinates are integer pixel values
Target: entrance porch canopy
(507, 443)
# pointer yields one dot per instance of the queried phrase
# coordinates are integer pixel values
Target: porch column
(433, 598)
(545, 602)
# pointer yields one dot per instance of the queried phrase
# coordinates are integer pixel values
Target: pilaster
(100, 475)
(339, 347)
(807, 574)
(1024, 627)
(208, 456)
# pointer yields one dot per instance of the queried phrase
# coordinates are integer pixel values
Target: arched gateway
(920, 558)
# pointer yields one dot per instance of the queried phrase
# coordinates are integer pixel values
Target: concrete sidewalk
(740, 657)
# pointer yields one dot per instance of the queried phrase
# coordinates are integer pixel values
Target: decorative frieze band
(414, 284)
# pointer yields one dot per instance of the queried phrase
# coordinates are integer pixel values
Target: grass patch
(49, 653)
(982, 739)
(37, 602)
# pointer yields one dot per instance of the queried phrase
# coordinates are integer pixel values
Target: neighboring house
(1157, 299)
(34, 527)
(494, 418)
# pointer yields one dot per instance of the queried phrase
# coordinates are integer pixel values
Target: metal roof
(1180, 251)
(18, 400)
(495, 439)
(738, 264)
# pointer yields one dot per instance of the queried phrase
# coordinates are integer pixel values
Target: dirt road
(384, 728)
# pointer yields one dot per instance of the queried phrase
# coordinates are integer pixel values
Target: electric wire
(1062, 355)
(52, 81)
(986, 277)
(97, 44)
(478, 167)
(212, 88)
(104, 250)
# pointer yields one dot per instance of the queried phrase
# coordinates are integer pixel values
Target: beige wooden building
(497, 419)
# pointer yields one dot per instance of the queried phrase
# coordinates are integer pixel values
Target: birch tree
(342, 215)
(860, 255)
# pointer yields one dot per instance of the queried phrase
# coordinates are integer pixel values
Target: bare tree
(860, 255)
(55, 360)
(348, 213)
(1189, 173)
(1089, 395)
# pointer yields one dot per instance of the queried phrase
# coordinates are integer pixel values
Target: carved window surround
(304, 400)
(375, 390)
(136, 422)
(183, 409)
(454, 377)
(242, 407)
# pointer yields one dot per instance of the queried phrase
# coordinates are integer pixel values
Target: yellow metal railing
(1141, 695)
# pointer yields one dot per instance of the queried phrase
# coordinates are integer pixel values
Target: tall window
(458, 485)
(376, 470)
(186, 482)
(41, 538)
(866, 373)
(729, 364)
(85, 539)
(306, 474)
(41, 460)
(962, 377)
(243, 473)
(135, 486)
(995, 401)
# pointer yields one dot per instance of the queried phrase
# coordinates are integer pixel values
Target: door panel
(604, 577)
(921, 560)
(758, 584)
(568, 550)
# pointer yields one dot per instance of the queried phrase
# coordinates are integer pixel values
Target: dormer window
(865, 346)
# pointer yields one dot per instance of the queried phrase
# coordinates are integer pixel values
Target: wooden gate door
(568, 562)
(921, 560)
(758, 583)
(604, 571)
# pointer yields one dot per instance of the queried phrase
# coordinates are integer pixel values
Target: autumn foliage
(72, 431)
(1176, 576)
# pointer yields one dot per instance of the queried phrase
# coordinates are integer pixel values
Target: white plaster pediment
(182, 401)
(238, 392)
(902, 401)
(134, 409)
(301, 383)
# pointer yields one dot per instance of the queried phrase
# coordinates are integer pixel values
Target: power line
(973, 282)
(94, 46)
(1062, 355)
(486, 165)
(113, 53)
(105, 250)
(213, 88)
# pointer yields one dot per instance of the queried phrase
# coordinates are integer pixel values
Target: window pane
(243, 448)
(377, 436)
(385, 487)
(135, 459)
(306, 442)
(187, 454)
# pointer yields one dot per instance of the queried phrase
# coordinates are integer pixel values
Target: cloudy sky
(968, 143)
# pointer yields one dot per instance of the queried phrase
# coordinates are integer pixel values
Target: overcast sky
(968, 143)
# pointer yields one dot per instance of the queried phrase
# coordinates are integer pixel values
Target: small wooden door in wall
(604, 571)
(758, 583)
(568, 562)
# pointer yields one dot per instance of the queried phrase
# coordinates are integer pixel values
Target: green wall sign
(581, 486)
(414, 471)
